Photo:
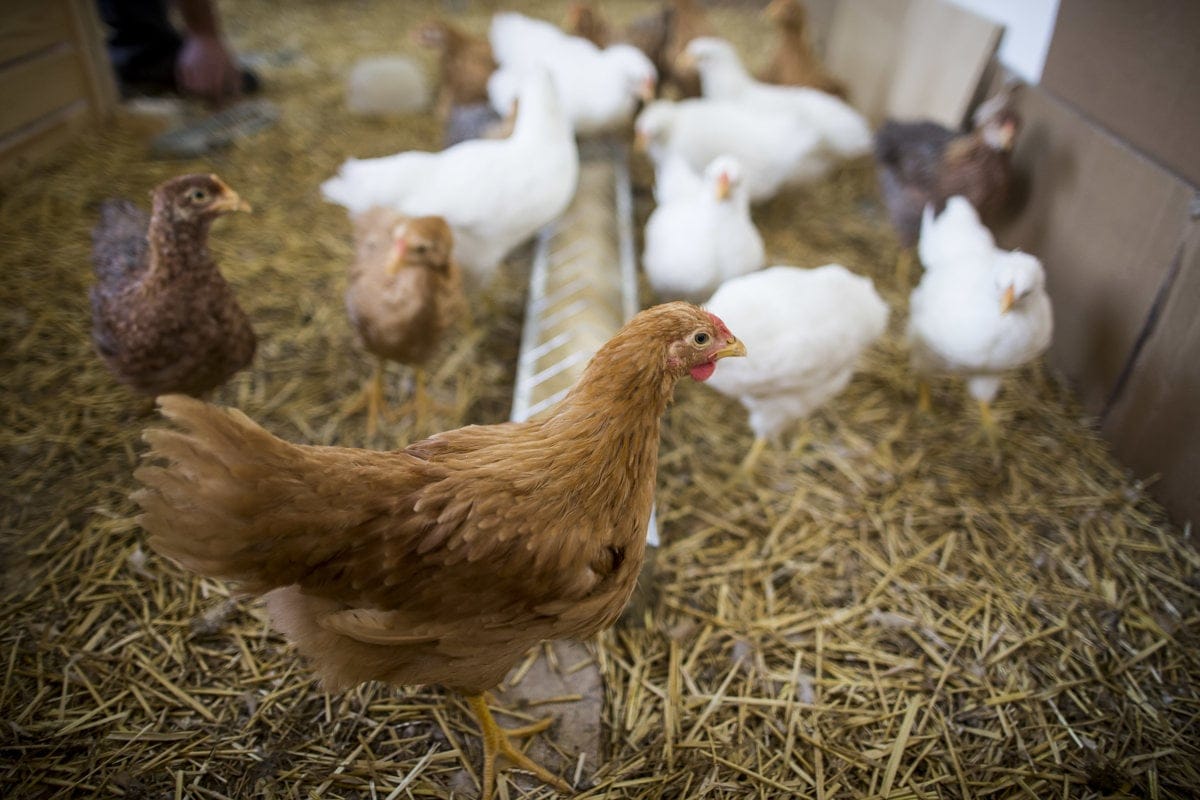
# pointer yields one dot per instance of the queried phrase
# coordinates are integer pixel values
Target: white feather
(844, 132)
(956, 324)
(695, 240)
(599, 88)
(775, 150)
(804, 331)
(493, 193)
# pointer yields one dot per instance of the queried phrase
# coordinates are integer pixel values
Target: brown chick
(465, 64)
(163, 318)
(794, 62)
(663, 34)
(923, 162)
(442, 563)
(584, 20)
(687, 21)
(405, 292)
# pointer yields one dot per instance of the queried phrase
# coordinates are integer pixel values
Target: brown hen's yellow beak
(733, 348)
(229, 199)
(685, 62)
(1007, 300)
(396, 259)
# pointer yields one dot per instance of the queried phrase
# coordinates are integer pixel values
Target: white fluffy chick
(494, 194)
(695, 240)
(844, 132)
(978, 311)
(804, 331)
(775, 150)
(599, 88)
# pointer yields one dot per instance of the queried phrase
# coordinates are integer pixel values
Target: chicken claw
(497, 741)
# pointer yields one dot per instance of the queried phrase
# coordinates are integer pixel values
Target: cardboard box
(54, 75)
(1133, 68)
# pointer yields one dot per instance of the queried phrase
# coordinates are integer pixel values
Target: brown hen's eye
(701, 338)
(198, 196)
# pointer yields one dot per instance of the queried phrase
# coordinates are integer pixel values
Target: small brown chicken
(405, 292)
(663, 34)
(923, 162)
(794, 62)
(585, 20)
(442, 563)
(464, 65)
(163, 318)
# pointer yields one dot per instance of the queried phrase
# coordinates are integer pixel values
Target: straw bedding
(885, 608)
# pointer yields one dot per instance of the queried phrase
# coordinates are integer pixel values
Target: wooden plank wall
(54, 77)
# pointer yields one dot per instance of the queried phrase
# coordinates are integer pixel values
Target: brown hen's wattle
(163, 318)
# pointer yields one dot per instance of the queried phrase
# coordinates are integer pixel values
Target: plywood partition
(864, 44)
(54, 77)
(911, 59)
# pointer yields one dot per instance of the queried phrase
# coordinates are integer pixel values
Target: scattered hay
(885, 608)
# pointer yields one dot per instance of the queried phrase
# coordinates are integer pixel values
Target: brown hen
(163, 318)
(464, 65)
(794, 62)
(663, 34)
(585, 20)
(442, 563)
(405, 292)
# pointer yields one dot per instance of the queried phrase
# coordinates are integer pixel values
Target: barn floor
(886, 608)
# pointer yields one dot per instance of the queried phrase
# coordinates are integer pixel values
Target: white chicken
(494, 194)
(843, 132)
(599, 88)
(804, 330)
(978, 311)
(775, 149)
(702, 235)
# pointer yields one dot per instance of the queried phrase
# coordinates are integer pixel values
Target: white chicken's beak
(723, 186)
(1007, 299)
(647, 90)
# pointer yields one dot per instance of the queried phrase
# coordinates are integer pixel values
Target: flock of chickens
(444, 562)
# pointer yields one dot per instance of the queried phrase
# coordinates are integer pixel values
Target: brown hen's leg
(374, 394)
(924, 402)
(990, 429)
(496, 741)
(420, 397)
(904, 267)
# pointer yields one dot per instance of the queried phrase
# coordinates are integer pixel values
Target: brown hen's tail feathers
(201, 507)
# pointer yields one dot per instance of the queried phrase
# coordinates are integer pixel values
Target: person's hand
(206, 68)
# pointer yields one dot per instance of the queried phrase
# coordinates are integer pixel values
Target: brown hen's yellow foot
(497, 741)
(990, 429)
(904, 266)
(375, 401)
(924, 402)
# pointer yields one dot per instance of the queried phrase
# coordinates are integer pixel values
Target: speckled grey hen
(924, 162)
(163, 318)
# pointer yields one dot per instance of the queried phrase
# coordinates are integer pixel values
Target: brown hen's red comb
(721, 328)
